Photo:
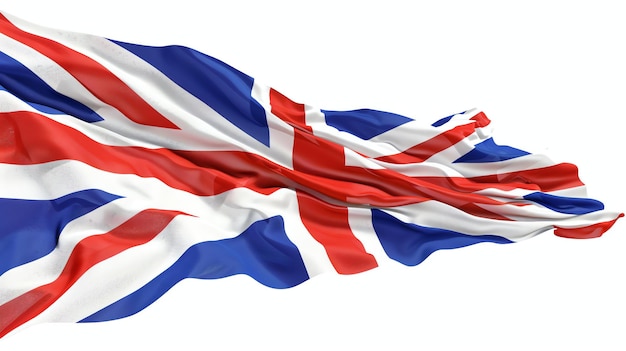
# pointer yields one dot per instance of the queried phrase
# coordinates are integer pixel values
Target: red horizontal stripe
(96, 78)
(138, 230)
(29, 138)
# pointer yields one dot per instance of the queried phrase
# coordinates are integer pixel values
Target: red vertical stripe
(328, 224)
(288, 111)
(138, 230)
(96, 78)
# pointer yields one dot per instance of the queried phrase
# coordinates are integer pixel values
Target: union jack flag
(127, 168)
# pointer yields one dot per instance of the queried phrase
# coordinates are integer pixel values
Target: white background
(550, 75)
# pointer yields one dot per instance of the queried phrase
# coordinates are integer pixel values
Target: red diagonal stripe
(430, 147)
(96, 78)
(587, 232)
(138, 230)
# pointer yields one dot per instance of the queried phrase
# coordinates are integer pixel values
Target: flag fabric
(126, 168)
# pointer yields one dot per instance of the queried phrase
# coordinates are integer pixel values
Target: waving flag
(126, 168)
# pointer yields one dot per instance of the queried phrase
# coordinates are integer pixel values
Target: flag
(127, 168)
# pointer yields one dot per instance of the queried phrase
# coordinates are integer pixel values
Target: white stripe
(518, 194)
(522, 163)
(354, 159)
(316, 119)
(462, 147)
(360, 220)
(55, 179)
(430, 169)
(468, 170)
(313, 253)
(439, 215)
(578, 191)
